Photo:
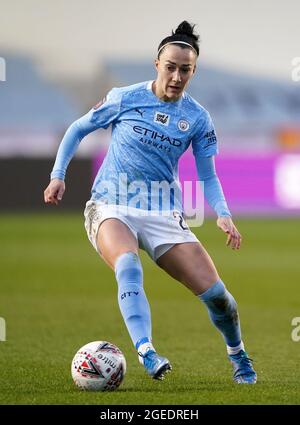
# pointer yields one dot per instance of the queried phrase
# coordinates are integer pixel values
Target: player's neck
(159, 92)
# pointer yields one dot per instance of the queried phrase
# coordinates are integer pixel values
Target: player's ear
(194, 70)
(156, 64)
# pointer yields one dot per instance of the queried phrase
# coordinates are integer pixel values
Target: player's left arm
(205, 147)
(234, 238)
(214, 195)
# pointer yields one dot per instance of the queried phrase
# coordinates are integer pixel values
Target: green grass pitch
(57, 295)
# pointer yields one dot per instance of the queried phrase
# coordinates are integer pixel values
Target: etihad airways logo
(154, 135)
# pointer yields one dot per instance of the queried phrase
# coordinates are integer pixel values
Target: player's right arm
(54, 191)
(68, 146)
(101, 116)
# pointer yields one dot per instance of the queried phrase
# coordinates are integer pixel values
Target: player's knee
(218, 299)
(225, 303)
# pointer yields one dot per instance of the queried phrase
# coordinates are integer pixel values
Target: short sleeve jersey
(148, 138)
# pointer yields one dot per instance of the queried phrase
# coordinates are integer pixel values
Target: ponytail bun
(185, 28)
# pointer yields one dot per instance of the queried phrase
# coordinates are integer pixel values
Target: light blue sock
(222, 310)
(132, 299)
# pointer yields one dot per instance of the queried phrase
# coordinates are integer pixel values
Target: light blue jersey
(148, 138)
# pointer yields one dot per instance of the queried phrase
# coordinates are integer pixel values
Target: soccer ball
(98, 366)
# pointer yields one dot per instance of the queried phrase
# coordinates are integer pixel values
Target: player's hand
(54, 192)
(234, 238)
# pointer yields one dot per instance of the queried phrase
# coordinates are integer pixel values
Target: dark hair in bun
(184, 33)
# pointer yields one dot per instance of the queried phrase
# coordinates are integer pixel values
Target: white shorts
(155, 233)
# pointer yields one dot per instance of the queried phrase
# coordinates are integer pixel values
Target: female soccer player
(153, 123)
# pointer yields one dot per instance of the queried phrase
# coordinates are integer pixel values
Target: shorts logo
(180, 220)
(93, 214)
(183, 125)
(161, 118)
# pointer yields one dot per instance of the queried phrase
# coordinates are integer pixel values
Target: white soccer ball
(98, 366)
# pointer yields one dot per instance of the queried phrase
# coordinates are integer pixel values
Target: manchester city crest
(183, 125)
